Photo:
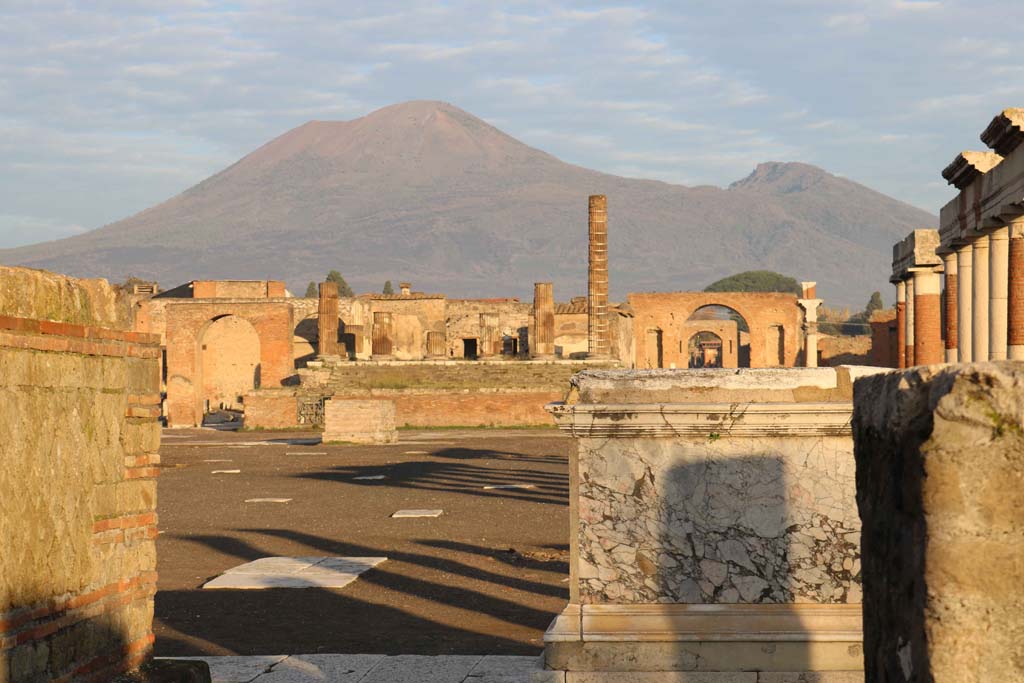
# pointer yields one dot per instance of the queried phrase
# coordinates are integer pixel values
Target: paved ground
(486, 577)
(371, 669)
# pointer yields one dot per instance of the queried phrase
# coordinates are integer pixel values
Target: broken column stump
(940, 488)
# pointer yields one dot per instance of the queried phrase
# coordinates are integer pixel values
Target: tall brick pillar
(599, 344)
(327, 320)
(952, 293)
(901, 324)
(1015, 291)
(542, 345)
(965, 277)
(927, 319)
(909, 336)
(999, 261)
(979, 300)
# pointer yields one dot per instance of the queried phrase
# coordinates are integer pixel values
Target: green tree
(874, 304)
(388, 289)
(343, 288)
(756, 281)
(311, 291)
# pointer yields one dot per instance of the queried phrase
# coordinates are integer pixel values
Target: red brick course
(1015, 314)
(952, 294)
(901, 334)
(927, 330)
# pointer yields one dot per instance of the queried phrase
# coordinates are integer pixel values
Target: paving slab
(316, 668)
(422, 669)
(372, 477)
(268, 500)
(294, 572)
(503, 669)
(508, 486)
(226, 472)
(401, 514)
(239, 669)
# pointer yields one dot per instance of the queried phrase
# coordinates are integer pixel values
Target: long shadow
(558, 566)
(551, 488)
(488, 454)
(316, 620)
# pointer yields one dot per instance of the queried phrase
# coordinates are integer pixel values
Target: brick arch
(186, 324)
(761, 310)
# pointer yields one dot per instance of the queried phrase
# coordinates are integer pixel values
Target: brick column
(964, 259)
(999, 261)
(542, 345)
(1015, 291)
(909, 327)
(901, 324)
(979, 299)
(327, 320)
(927, 319)
(599, 345)
(952, 291)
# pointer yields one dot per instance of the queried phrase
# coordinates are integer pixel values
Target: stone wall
(359, 421)
(940, 455)
(271, 409)
(79, 401)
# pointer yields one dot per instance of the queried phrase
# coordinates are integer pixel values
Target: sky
(108, 107)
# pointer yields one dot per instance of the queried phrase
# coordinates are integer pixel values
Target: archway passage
(724, 334)
(705, 350)
(229, 357)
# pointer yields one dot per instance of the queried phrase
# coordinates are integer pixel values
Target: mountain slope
(423, 191)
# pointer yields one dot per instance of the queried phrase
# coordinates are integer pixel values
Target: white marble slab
(508, 486)
(294, 572)
(268, 500)
(226, 472)
(317, 668)
(401, 514)
(239, 669)
(422, 669)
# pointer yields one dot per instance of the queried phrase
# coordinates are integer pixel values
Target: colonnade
(917, 274)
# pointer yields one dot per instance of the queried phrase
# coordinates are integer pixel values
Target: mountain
(425, 192)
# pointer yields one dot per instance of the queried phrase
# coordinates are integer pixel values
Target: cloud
(115, 105)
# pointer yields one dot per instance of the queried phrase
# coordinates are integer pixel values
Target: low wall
(711, 533)
(473, 409)
(359, 421)
(79, 404)
(271, 410)
(940, 457)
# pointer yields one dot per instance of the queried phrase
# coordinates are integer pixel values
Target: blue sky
(109, 106)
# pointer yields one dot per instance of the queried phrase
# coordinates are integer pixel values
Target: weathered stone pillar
(999, 261)
(542, 343)
(927, 318)
(1015, 290)
(599, 344)
(980, 299)
(965, 277)
(901, 324)
(939, 456)
(909, 335)
(809, 303)
(327, 320)
(951, 298)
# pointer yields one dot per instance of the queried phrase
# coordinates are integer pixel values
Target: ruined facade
(916, 270)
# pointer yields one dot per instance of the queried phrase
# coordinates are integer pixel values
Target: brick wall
(474, 409)
(271, 410)
(79, 401)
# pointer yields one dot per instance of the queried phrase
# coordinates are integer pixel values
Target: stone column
(597, 286)
(952, 293)
(964, 259)
(809, 303)
(327, 320)
(901, 324)
(998, 288)
(909, 335)
(542, 345)
(979, 299)
(1015, 290)
(927, 319)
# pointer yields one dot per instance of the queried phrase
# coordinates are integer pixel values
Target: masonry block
(359, 421)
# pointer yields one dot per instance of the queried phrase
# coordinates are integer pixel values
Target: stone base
(357, 421)
(798, 643)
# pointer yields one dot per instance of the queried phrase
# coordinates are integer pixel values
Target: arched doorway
(228, 356)
(705, 350)
(724, 324)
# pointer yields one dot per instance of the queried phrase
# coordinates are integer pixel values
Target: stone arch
(228, 362)
(189, 322)
(669, 310)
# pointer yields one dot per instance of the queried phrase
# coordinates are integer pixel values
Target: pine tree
(343, 288)
(874, 304)
(311, 291)
(388, 289)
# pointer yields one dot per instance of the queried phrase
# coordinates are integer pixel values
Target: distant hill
(425, 192)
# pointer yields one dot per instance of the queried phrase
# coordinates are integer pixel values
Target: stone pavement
(371, 669)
